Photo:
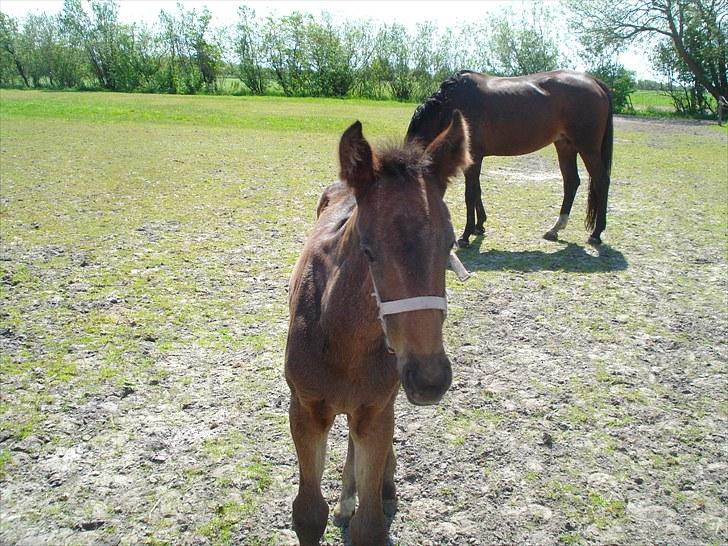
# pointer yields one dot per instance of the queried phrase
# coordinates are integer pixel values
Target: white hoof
(344, 511)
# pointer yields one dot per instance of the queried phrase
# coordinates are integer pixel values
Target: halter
(405, 305)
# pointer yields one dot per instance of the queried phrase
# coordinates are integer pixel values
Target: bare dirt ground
(588, 404)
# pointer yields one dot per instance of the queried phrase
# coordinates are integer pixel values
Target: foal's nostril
(409, 377)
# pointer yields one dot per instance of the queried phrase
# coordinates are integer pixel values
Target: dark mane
(428, 119)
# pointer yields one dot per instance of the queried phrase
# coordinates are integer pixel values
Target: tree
(392, 60)
(249, 50)
(192, 59)
(518, 46)
(96, 34)
(8, 45)
(696, 29)
(621, 83)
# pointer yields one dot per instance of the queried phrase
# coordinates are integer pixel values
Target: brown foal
(366, 314)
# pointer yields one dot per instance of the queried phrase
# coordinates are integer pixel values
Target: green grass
(643, 100)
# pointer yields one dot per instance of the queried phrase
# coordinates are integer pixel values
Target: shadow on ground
(570, 257)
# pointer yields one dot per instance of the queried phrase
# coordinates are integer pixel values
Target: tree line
(87, 46)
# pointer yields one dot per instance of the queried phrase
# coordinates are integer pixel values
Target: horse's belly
(519, 140)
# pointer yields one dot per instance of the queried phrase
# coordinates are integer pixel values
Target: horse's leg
(570, 174)
(309, 428)
(372, 431)
(389, 490)
(472, 201)
(479, 208)
(347, 501)
(599, 179)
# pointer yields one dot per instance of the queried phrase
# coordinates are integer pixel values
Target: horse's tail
(598, 188)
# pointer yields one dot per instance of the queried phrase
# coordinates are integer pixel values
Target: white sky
(443, 13)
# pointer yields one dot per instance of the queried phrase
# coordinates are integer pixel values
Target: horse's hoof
(463, 243)
(343, 513)
(551, 235)
(480, 230)
(594, 241)
(390, 507)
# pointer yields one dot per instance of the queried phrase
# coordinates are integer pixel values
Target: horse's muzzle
(425, 379)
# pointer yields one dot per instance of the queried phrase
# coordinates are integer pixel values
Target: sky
(406, 12)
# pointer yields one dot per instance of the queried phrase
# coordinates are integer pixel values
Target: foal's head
(406, 236)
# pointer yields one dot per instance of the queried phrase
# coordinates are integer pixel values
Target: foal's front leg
(310, 426)
(371, 431)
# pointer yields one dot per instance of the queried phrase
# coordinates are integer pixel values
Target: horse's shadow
(571, 257)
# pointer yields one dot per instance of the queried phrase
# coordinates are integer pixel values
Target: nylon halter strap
(404, 306)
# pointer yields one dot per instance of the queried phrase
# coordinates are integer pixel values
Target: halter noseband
(404, 306)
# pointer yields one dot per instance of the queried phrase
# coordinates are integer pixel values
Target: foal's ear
(357, 160)
(450, 151)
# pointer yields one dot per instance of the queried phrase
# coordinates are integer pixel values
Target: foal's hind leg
(309, 427)
(347, 501)
(372, 430)
(389, 490)
(570, 174)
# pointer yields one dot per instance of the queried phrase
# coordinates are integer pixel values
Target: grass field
(146, 246)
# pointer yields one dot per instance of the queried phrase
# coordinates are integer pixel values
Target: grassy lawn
(146, 246)
(644, 100)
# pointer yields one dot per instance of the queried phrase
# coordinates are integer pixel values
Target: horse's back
(519, 115)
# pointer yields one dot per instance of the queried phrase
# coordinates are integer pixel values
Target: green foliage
(690, 36)
(521, 46)
(621, 83)
(294, 55)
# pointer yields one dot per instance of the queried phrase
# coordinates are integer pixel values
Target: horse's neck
(348, 304)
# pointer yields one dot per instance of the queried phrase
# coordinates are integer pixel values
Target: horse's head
(406, 236)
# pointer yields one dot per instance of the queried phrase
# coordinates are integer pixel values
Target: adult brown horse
(514, 116)
(366, 312)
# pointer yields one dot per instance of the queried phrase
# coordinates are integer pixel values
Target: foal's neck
(349, 304)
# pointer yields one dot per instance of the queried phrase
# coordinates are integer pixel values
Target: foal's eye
(367, 252)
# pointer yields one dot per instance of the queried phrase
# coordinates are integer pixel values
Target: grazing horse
(367, 305)
(515, 116)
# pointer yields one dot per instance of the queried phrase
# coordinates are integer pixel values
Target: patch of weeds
(23, 276)
(662, 462)
(259, 472)
(578, 415)
(602, 511)
(226, 446)
(446, 491)
(5, 459)
(61, 369)
(473, 421)
(219, 530)
(602, 375)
